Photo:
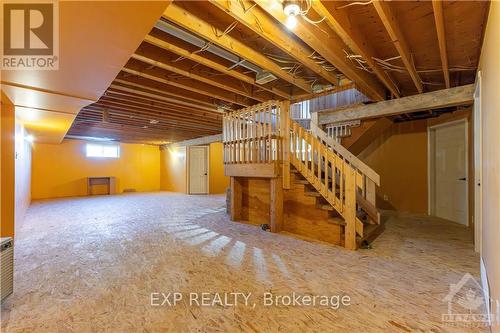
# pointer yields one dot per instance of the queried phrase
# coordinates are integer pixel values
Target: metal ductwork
(199, 42)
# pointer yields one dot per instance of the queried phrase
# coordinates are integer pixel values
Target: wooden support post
(236, 198)
(276, 196)
(285, 134)
(350, 207)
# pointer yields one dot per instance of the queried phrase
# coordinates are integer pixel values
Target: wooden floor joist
(185, 19)
(433, 100)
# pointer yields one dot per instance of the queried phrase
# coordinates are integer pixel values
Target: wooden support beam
(339, 22)
(236, 198)
(276, 204)
(206, 61)
(264, 26)
(185, 19)
(391, 25)
(441, 34)
(180, 68)
(189, 85)
(432, 100)
(205, 140)
(331, 49)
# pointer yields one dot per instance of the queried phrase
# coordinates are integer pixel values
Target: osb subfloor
(91, 264)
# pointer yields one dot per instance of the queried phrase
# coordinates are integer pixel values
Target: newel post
(285, 137)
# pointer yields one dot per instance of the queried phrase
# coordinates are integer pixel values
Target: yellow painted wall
(218, 182)
(490, 183)
(399, 156)
(60, 170)
(7, 167)
(173, 169)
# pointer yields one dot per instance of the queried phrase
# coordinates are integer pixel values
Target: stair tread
(312, 194)
(336, 220)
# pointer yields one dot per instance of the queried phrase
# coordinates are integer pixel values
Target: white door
(449, 171)
(198, 170)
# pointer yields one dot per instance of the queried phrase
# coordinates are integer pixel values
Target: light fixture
(292, 10)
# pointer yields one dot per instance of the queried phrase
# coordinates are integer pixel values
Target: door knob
(462, 178)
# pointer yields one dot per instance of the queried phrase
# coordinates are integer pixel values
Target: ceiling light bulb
(291, 22)
(291, 9)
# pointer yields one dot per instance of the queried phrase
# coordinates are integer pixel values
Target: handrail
(330, 174)
(348, 156)
(253, 134)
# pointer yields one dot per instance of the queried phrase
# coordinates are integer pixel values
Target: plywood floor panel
(90, 264)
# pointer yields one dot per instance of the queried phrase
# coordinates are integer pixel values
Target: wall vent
(7, 269)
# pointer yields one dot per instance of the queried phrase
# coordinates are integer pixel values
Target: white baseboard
(486, 290)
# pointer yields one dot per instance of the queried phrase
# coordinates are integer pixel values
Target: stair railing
(367, 178)
(331, 175)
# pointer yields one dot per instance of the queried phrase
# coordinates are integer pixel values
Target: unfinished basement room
(250, 166)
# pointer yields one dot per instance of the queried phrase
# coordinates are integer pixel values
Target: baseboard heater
(7, 267)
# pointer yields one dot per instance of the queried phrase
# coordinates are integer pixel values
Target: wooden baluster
(350, 207)
(269, 134)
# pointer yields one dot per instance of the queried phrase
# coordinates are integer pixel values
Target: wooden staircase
(265, 152)
(342, 184)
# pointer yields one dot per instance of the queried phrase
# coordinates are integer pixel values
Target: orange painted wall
(60, 170)
(399, 156)
(174, 169)
(218, 182)
(7, 167)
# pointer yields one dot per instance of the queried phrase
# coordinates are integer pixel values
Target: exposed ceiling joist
(188, 21)
(264, 26)
(166, 90)
(189, 85)
(157, 113)
(340, 23)
(121, 90)
(216, 81)
(211, 64)
(441, 34)
(391, 24)
(427, 101)
(330, 47)
(135, 99)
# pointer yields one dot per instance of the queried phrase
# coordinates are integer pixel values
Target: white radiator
(7, 267)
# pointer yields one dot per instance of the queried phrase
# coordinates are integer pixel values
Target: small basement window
(107, 151)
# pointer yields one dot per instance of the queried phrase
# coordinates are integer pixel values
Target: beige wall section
(218, 182)
(22, 174)
(174, 169)
(60, 170)
(7, 167)
(399, 156)
(490, 184)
